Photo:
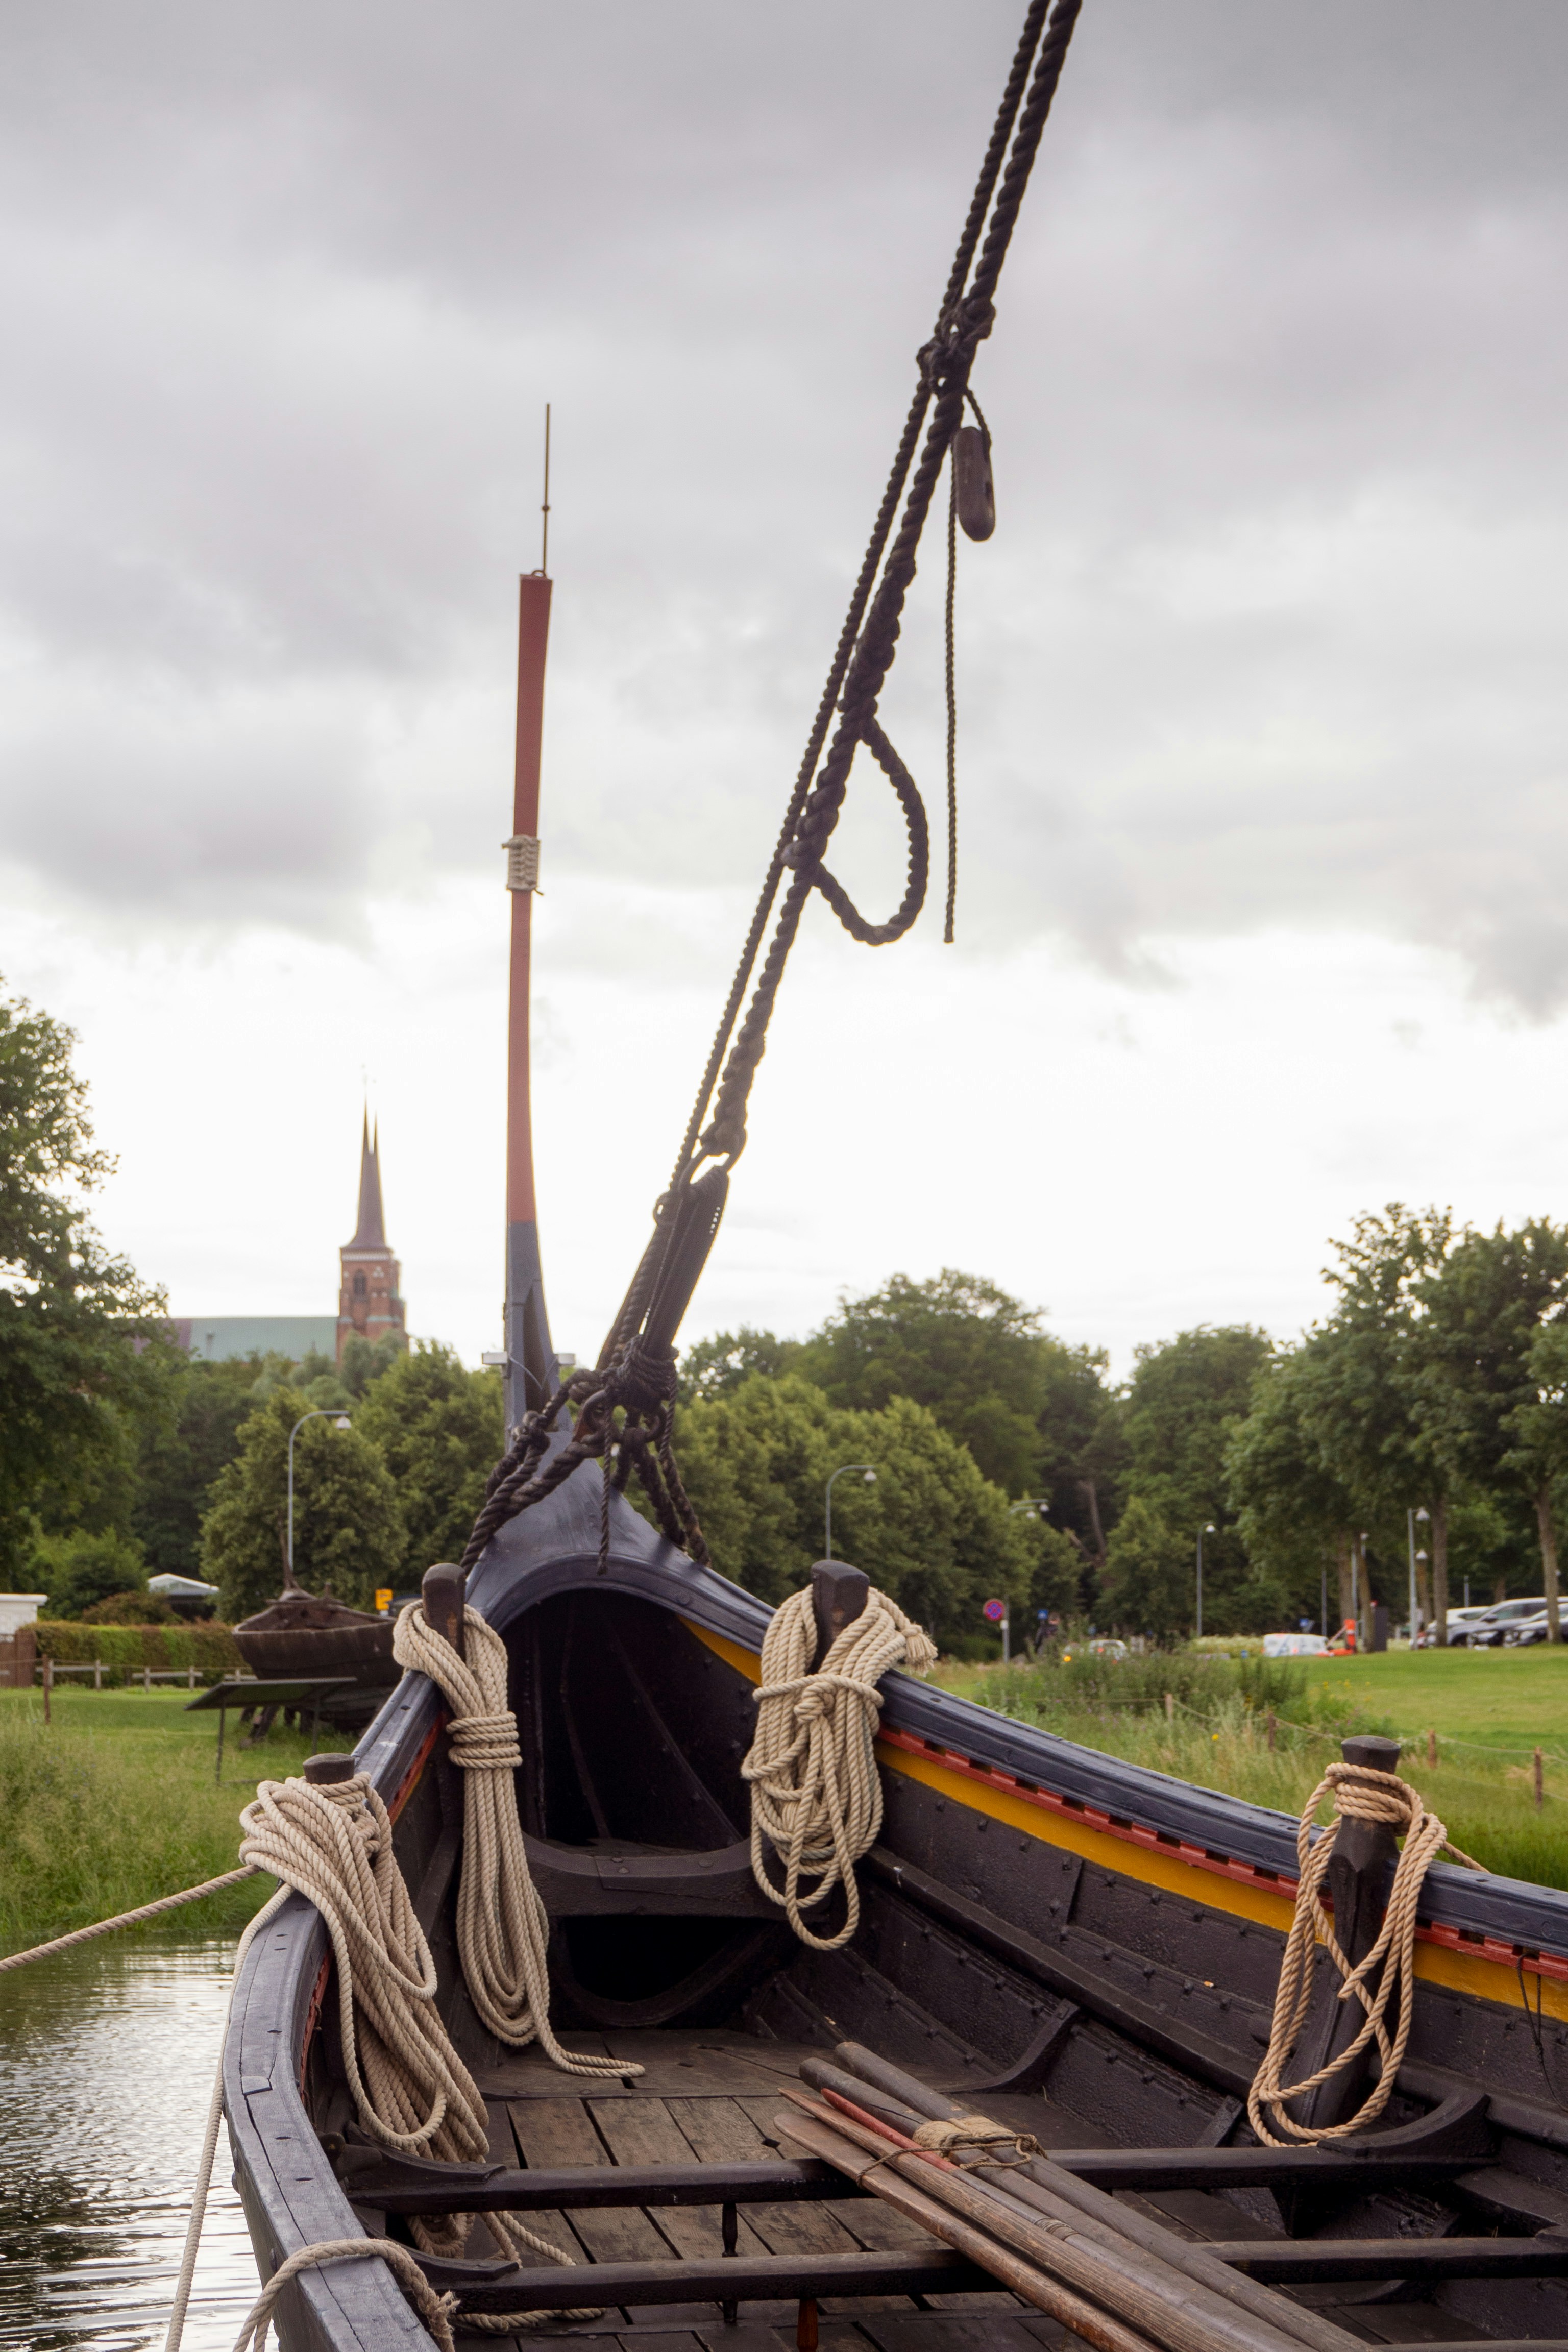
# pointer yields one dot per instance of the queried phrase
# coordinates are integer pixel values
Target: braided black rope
(636, 1379)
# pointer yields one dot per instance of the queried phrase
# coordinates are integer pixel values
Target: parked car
(1459, 1621)
(1525, 1630)
(1294, 1645)
(1487, 1631)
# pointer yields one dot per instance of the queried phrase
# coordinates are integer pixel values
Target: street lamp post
(1207, 1529)
(322, 1413)
(866, 1473)
(1410, 1519)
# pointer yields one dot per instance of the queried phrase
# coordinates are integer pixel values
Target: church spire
(371, 1231)
(368, 1302)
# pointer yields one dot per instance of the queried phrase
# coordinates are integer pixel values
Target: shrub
(125, 1650)
(129, 1609)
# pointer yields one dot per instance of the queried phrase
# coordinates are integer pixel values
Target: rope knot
(485, 1743)
(978, 2133)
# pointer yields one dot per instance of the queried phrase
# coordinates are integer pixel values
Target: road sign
(995, 1611)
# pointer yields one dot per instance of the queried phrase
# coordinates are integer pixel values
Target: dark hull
(359, 1653)
(1087, 1948)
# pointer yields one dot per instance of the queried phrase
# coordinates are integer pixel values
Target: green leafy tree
(1293, 1512)
(931, 1530)
(180, 1455)
(955, 1344)
(1081, 1448)
(1540, 1450)
(439, 1430)
(715, 1367)
(79, 1570)
(348, 1535)
(1382, 1406)
(1184, 1399)
(81, 1348)
(1484, 1309)
(1147, 1584)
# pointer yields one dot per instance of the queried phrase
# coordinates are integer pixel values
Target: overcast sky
(1263, 708)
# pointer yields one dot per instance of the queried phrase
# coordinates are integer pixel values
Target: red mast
(530, 1374)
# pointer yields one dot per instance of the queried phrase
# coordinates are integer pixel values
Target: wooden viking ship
(1082, 1949)
(1077, 1950)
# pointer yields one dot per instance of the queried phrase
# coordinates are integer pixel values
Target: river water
(107, 2059)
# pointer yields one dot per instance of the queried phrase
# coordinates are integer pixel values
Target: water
(107, 2059)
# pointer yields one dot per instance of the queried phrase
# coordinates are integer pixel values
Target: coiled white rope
(503, 1929)
(816, 1799)
(1360, 1793)
(332, 1843)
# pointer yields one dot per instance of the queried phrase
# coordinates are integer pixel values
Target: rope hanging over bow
(1360, 1793)
(817, 1798)
(503, 1929)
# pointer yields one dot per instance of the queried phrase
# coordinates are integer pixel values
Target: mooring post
(443, 1589)
(329, 1771)
(1360, 1870)
(837, 1598)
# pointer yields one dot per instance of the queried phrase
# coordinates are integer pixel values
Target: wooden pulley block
(973, 487)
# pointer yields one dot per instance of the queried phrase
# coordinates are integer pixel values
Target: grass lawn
(1490, 1708)
(112, 1803)
(1492, 1699)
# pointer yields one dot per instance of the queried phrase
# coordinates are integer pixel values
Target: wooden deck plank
(552, 2133)
(539, 2128)
(644, 2131)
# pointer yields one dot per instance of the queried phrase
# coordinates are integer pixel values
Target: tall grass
(100, 1815)
(1217, 1736)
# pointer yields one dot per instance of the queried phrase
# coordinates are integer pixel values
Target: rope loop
(503, 1932)
(816, 1799)
(820, 817)
(1360, 1793)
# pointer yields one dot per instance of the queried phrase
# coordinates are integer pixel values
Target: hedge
(125, 1650)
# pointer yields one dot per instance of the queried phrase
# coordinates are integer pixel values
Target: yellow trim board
(1435, 1963)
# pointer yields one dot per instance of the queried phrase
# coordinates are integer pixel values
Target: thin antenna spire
(545, 506)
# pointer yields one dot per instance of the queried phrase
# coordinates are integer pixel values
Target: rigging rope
(636, 1372)
(503, 1929)
(1360, 1793)
(816, 1796)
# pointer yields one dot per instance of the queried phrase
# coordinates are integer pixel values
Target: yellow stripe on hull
(1484, 1980)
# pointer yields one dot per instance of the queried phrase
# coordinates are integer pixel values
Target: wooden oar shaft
(1099, 2328)
(1277, 2310)
(1175, 2310)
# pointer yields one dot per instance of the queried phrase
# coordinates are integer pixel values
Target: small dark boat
(303, 1635)
(1079, 1947)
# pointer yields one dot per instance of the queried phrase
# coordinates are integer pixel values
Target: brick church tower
(368, 1302)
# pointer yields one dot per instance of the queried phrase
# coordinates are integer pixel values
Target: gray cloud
(1267, 634)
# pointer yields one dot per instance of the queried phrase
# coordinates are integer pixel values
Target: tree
(955, 1344)
(81, 1569)
(80, 1342)
(1293, 1512)
(1381, 1407)
(439, 1430)
(1181, 1405)
(1484, 1308)
(1540, 1451)
(349, 1533)
(932, 1531)
(180, 1455)
(715, 1367)
(1147, 1584)
(1081, 1447)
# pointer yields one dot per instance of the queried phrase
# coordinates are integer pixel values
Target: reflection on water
(107, 2058)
